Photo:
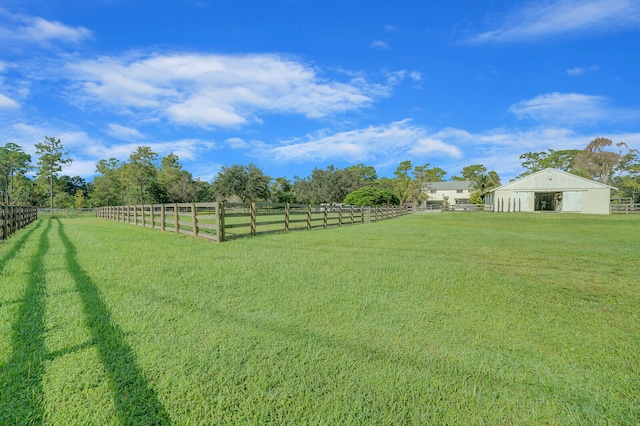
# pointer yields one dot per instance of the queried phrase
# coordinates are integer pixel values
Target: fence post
(252, 214)
(12, 220)
(153, 216)
(176, 218)
(163, 217)
(339, 215)
(326, 214)
(362, 214)
(144, 216)
(308, 217)
(3, 216)
(220, 220)
(194, 219)
(351, 214)
(286, 216)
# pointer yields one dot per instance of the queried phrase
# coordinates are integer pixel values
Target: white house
(551, 190)
(455, 191)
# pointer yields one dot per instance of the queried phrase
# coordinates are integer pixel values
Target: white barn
(551, 190)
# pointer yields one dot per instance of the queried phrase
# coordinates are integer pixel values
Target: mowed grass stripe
(76, 382)
(483, 318)
(23, 364)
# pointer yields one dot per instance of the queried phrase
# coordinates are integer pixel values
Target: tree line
(147, 178)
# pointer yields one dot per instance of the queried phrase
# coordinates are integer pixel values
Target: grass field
(423, 319)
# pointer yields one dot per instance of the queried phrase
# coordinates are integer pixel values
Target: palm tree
(483, 182)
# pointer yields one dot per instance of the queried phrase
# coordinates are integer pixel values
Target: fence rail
(625, 208)
(13, 218)
(222, 221)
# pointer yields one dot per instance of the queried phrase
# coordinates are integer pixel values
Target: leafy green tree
(403, 183)
(434, 174)
(372, 196)
(409, 180)
(483, 182)
(13, 161)
(23, 192)
(71, 185)
(139, 177)
(628, 180)
(177, 183)
(246, 182)
(536, 161)
(596, 162)
(79, 200)
(62, 200)
(385, 183)
(52, 158)
(330, 185)
(470, 172)
(364, 175)
(108, 187)
(281, 190)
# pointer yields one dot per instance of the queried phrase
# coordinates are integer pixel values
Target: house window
(459, 191)
(433, 191)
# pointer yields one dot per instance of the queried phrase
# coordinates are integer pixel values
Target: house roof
(552, 179)
(448, 186)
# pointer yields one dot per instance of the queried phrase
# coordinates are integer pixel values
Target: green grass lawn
(423, 319)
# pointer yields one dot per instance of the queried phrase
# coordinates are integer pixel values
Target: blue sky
(291, 85)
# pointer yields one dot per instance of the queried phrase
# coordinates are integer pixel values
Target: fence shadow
(21, 377)
(135, 401)
(17, 245)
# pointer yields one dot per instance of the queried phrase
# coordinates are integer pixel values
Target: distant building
(455, 191)
(551, 190)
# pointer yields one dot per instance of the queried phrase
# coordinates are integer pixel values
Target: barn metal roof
(552, 180)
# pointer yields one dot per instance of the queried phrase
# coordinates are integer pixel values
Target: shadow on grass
(10, 254)
(135, 401)
(21, 376)
(24, 236)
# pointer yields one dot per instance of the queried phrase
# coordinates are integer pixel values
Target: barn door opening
(548, 201)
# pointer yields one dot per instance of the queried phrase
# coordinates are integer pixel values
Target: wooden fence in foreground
(222, 221)
(13, 218)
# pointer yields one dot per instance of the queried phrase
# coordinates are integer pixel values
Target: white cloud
(576, 71)
(571, 108)
(217, 90)
(30, 29)
(40, 30)
(548, 18)
(382, 144)
(568, 107)
(86, 151)
(379, 44)
(237, 143)
(6, 102)
(122, 132)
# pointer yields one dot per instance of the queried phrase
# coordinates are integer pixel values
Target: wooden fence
(625, 208)
(13, 218)
(222, 221)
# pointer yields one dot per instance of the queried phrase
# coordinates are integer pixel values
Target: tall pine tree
(52, 157)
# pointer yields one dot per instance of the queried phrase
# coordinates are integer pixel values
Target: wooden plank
(194, 219)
